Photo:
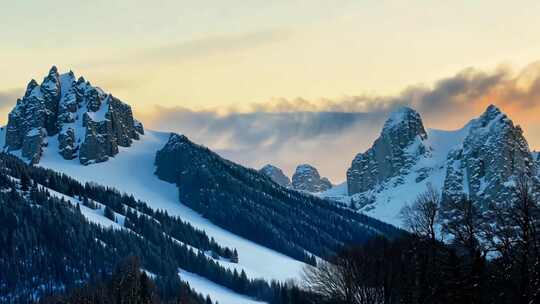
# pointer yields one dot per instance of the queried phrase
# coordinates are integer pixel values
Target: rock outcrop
(400, 144)
(536, 157)
(492, 155)
(276, 175)
(87, 122)
(307, 178)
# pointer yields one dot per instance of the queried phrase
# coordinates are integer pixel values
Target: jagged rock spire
(30, 87)
(53, 70)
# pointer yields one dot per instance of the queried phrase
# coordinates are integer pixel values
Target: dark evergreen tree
(109, 213)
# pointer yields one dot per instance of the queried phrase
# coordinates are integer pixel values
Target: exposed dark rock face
(88, 123)
(276, 175)
(33, 142)
(536, 157)
(66, 143)
(307, 178)
(492, 155)
(400, 144)
(138, 126)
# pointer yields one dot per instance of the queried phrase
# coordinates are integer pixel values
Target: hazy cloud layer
(467, 91)
(329, 132)
(284, 139)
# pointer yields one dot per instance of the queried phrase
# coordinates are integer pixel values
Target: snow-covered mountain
(478, 161)
(277, 175)
(492, 154)
(85, 122)
(307, 178)
(400, 145)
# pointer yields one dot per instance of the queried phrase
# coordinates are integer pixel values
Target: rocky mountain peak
(85, 121)
(491, 113)
(81, 80)
(51, 83)
(276, 174)
(492, 154)
(404, 119)
(401, 143)
(307, 178)
(53, 71)
(30, 87)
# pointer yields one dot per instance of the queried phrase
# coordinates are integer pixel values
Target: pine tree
(109, 213)
(234, 257)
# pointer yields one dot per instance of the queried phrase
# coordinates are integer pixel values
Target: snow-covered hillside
(132, 171)
(222, 294)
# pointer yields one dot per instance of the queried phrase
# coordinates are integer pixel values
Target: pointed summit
(492, 109)
(398, 147)
(404, 118)
(53, 71)
(307, 178)
(491, 113)
(276, 175)
(51, 85)
(30, 87)
(493, 153)
(81, 80)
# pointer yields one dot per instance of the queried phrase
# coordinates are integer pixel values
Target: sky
(212, 69)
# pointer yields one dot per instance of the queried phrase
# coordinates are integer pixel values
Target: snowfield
(216, 292)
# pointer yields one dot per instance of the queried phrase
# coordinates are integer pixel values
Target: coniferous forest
(48, 247)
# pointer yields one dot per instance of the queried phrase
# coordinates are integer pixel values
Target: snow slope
(132, 171)
(215, 291)
(96, 216)
(388, 202)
